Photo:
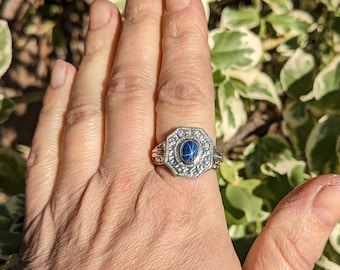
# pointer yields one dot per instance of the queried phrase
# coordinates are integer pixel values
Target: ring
(187, 152)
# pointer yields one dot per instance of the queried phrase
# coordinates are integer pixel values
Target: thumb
(296, 233)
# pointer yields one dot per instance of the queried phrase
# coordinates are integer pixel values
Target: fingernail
(100, 14)
(326, 205)
(177, 5)
(58, 74)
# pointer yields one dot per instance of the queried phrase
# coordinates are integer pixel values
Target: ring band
(187, 152)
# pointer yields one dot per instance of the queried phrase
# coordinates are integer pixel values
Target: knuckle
(138, 12)
(290, 251)
(182, 30)
(81, 113)
(50, 107)
(97, 42)
(40, 158)
(127, 86)
(182, 93)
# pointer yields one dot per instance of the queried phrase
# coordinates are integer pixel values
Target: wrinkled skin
(94, 198)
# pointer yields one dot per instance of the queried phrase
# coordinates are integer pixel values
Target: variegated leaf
(238, 49)
(296, 76)
(5, 47)
(328, 80)
(280, 6)
(321, 148)
(261, 88)
(332, 5)
(298, 124)
(292, 24)
(243, 18)
(241, 196)
(233, 114)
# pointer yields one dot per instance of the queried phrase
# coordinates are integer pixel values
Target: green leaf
(280, 6)
(5, 47)
(261, 88)
(297, 74)
(235, 19)
(334, 241)
(329, 104)
(7, 106)
(328, 80)
(238, 49)
(10, 243)
(265, 150)
(11, 223)
(295, 23)
(321, 148)
(229, 170)
(286, 165)
(12, 172)
(233, 114)
(298, 124)
(332, 5)
(240, 195)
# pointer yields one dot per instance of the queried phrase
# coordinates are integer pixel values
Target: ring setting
(187, 152)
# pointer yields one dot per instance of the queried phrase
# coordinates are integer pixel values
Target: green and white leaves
(237, 19)
(5, 47)
(332, 5)
(261, 87)
(328, 80)
(297, 74)
(241, 196)
(292, 24)
(280, 6)
(322, 149)
(233, 114)
(236, 49)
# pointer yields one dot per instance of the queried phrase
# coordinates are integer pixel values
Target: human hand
(95, 200)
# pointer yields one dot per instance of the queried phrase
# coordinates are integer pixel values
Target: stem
(30, 98)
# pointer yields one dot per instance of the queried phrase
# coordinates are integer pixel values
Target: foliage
(286, 54)
(6, 105)
(283, 55)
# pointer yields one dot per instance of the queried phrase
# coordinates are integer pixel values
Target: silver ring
(187, 152)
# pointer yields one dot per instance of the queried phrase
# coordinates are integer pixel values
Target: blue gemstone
(189, 151)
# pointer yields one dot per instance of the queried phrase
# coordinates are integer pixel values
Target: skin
(94, 198)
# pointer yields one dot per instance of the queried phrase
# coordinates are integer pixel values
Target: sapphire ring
(187, 152)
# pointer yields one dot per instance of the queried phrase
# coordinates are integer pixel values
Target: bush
(276, 68)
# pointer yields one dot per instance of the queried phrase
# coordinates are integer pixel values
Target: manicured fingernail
(177, 5)
(100, 14)
(58, 75)
(326, 205)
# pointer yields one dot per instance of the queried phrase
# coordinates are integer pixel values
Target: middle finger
(130, 97)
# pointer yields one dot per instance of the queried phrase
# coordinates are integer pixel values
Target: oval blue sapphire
(189, 151)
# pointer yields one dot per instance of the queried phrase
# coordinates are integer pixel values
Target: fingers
(186, 93)
(43, 164)
(83, 139)
(295, 235)
(130, 97)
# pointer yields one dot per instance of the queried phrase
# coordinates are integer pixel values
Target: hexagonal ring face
(189, 152)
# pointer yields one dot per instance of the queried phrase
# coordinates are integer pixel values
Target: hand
(94, 198)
